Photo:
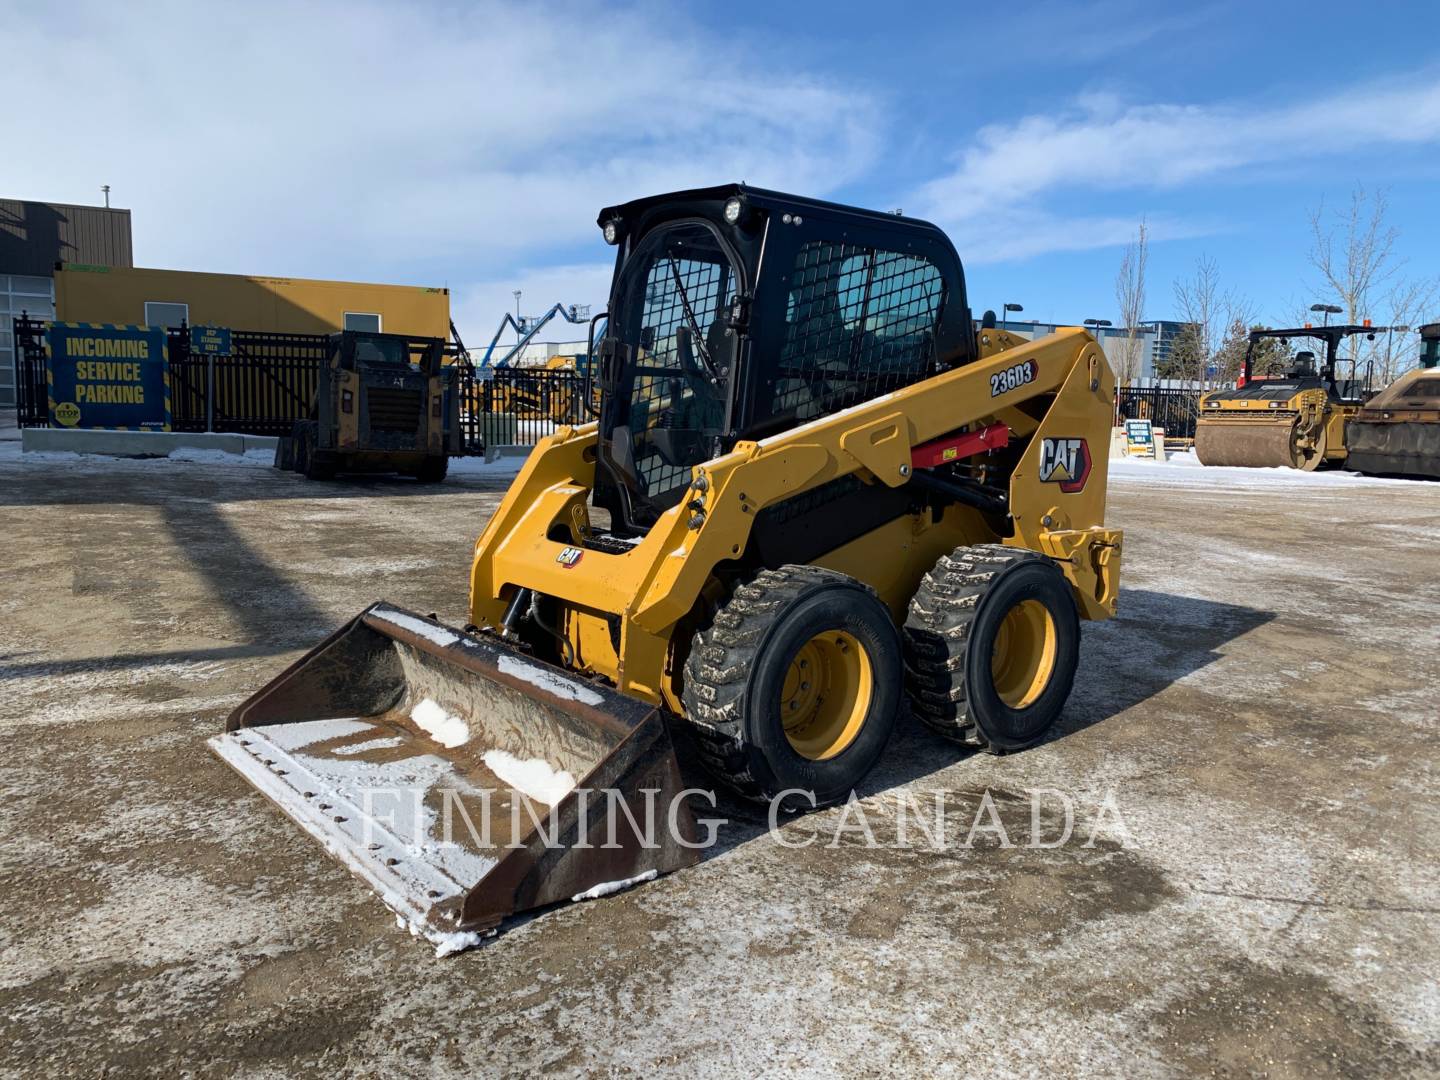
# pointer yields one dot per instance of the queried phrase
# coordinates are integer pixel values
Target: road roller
(1398, 431)
(1295, 418)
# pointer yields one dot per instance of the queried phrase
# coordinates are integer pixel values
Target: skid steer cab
(384, 403)
(815, 490)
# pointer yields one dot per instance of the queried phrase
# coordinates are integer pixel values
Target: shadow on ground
(142, 487)
(1157, 639)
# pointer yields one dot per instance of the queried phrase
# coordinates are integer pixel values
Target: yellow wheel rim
(826, 694)
(1024, 655)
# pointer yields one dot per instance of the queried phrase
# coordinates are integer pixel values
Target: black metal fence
(1168, 407)
(268, 382)
(32, 398)
(518, 406)
(265, 384)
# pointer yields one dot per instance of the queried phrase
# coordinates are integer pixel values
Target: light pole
(1097, 323)
(1390, 347)
(1012, 307)
(518, 335)
(1328, 310)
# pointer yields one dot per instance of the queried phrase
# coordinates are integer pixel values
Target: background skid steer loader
(813, 490)
(383, 403)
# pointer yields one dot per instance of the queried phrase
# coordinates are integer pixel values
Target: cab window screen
(671, 305)
(859, 322)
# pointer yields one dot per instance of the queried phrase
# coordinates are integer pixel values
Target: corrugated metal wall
(34, 236)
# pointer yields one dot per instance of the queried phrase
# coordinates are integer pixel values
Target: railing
(517, 406)
(1172, 408)
(32, 397)
(268, 382)
(265, 385)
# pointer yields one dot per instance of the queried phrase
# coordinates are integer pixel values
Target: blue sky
(472, 144)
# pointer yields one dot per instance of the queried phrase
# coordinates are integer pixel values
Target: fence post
(210, 392)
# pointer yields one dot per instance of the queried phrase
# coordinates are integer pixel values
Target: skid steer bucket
(460, 779)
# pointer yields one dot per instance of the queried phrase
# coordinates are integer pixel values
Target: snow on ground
(10, 451)
(475, 466)
(1184, 468)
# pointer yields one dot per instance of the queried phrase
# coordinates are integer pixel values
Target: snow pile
(446, 942)
(608, 887)
(534, 778)
(445, 728)
(191, 455)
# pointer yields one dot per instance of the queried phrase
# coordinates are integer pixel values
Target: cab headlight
(734, 210)
(611, 230)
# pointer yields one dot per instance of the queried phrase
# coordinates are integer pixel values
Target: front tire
(992, 643)
(795, 684)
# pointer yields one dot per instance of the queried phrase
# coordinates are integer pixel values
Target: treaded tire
(310, 460)
(950, 635)
(737, 666)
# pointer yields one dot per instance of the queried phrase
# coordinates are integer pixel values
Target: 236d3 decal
(1014, 376)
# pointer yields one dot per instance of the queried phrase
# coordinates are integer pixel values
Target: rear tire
(992, 643)
(313, 462)
(796, 683)
(433, 470)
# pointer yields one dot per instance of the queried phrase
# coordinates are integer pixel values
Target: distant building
(34, 237)
(1166, 331)
(1108, 337)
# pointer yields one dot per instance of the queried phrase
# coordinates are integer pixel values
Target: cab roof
(636, 210)
(1337, 332)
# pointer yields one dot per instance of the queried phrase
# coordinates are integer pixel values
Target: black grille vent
(394, 410)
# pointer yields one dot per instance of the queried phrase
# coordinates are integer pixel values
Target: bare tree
(1360, 260)
(1212, 316)
(1410, 304)
(1130, 296)
(1353, 250)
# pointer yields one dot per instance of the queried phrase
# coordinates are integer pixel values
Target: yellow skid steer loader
(814, 490)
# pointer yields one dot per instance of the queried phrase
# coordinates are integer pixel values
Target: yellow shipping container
(108, 294)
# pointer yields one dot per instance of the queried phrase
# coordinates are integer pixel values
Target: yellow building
(110, 294)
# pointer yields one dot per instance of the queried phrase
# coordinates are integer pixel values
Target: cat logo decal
(1065, 462)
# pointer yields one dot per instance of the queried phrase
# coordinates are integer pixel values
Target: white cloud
(1102, 144)
(434, 144)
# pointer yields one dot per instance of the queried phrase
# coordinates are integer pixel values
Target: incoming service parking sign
(111, 377)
